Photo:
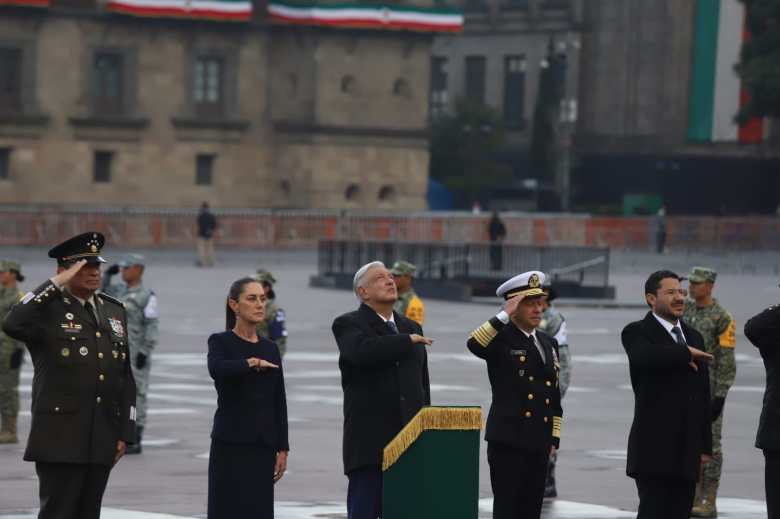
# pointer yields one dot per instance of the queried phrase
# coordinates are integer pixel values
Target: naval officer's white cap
(528, 284)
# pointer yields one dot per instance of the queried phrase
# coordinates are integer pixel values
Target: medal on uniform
(65, 352)
(115, 354)
(69, 316)
(116, 326)
(83, 351)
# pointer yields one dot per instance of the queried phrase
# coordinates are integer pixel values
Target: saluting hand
(66, 275)
(420, 339)
(260, 364)
(697, 354)
(510, 307)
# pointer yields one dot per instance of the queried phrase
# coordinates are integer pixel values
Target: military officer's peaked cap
(133, 259)
(527, 284)
(84, 246)
(702, 274)
(403, 268)
(263, 276)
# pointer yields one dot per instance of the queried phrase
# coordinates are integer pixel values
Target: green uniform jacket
(83, 395)
(718, 329)
(142, 320)
(8, 298)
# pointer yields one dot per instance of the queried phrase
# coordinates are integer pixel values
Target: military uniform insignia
(116, 326)
(83, 351)
(115, 354)
(71, 327)
(65, 352)
(518, 353)
(69, 316)
(124, 355)
(533, 281)
(66, 300)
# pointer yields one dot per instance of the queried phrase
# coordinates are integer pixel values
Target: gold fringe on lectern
(431, 419)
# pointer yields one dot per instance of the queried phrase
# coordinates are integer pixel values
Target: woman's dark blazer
(252, 406)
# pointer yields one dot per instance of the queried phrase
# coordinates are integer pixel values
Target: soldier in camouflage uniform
(554, 324)
(11, 353)
(142, 328)
(717, 326)
(409, 303)
(274, 328)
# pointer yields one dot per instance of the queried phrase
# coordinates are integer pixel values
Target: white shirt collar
(668, 326)
(392, 318)
(529, 335)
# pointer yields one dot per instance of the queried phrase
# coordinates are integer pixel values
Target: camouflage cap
(702, 274)
(264, 276)
(403, 268)
(133, 259)
(7, 265)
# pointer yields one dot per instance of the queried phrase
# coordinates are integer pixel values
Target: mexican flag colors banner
(367, 16)
(716, 91)
(222, 10)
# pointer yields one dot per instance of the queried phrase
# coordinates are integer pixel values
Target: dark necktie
(678, 334)
(91, 311)
(392, 327)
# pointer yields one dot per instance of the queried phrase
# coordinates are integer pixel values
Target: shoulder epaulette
(110, 299)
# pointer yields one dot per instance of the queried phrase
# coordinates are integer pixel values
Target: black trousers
(662, 498)
(772, 482)
(364, 494)
(496, 256)
(517, 478)
(71, 490)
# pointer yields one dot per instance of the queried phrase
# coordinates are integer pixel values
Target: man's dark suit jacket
(763, 330)
(672, 427)
(385, 381)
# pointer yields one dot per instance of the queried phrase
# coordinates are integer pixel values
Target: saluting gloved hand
(716, 407)
(113, 270)
(140, 361)
(16, 359)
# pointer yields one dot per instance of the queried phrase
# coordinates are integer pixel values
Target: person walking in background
(660, 230)
(142, 329)
(409, 303)
(384, 375)
(249, 439)
(671, 435)
(763, 330)
(274, 326)
(524, 424)
(497, 234)
(11, 353)
(718, 328)
(83, 393)
(207, 226)
(554, 324)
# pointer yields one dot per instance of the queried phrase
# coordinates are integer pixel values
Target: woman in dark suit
(249, 440)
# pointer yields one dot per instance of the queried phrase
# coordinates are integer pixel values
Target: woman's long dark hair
(236, 289)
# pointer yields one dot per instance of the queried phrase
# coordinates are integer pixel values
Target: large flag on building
(367, 16)
(716, 92)
(227, 10)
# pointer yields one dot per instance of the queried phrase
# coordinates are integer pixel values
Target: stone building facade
(104, 109)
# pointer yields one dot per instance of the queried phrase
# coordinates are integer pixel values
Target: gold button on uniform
(98, 400)
(100, 355)
(522, 359)
(547, 401)
(545, 419)
(548, 383)
(56, 409)
(528, 414)
(530, 396)
(102, 378)
(98, 335)
(531, 379)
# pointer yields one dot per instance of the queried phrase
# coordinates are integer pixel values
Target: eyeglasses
(680, 291)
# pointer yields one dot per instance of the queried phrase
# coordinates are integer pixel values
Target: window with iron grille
(101, 166)
(108, 83)
(10, 80)
(208, 89)
(204, 170)
(514, 90)
(475, 78)
(439, 95)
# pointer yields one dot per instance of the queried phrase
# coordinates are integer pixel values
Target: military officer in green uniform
(554, 324)
(142, 328)
(274, 327)
(717, 326)
(409, 303)
(83, 394)
(11, 353)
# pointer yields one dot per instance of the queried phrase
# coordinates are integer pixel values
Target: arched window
(348, 85)
(352, 192)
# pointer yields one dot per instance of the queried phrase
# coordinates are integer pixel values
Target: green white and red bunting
(716, 92)
(26, 3)
(221, 10)
(366, 16)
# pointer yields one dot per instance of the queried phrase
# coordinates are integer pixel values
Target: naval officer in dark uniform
(524, 425)
(83, 394)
